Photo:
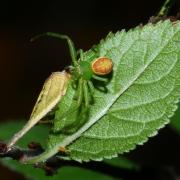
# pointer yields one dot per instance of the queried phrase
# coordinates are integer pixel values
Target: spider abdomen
(102, 66)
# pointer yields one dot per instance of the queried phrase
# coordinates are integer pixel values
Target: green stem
(165, 7)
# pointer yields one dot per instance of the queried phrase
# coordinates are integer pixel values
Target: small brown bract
(62, 149)
(102, 66)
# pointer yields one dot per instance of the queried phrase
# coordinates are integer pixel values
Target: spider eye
(102, 66)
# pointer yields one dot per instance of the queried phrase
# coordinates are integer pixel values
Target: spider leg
(85, 93)
(78, 96)
(81, 54)
(80, 92)
(91, 86)
(99, 78)
(72, 49)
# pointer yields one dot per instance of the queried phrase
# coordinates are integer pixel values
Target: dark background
(24, 66)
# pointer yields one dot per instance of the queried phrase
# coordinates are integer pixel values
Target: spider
(82, 70)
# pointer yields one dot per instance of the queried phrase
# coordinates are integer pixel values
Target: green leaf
(141, 96)
(39, 133)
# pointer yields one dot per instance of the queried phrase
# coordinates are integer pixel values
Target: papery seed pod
(53, 89)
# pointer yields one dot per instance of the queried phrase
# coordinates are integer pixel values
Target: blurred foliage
(122, 162)
(65, 173)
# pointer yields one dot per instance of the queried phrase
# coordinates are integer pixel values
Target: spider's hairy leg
(72, 49)
(86, 93)
(81, 54)
(80, 92)
(99, 78)
(78, 96)
(91, 86)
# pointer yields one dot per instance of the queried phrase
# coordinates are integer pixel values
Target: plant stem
(165, 7)
(54, 163)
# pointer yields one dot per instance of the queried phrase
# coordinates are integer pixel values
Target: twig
(165, 8)
(54, 163)
(17, 153)
(163, 13)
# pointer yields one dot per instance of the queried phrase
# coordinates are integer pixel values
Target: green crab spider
(83, 71)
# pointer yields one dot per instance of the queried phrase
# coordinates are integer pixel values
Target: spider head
(85, 70)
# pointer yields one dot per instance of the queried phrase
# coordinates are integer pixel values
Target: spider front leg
(80, 92)
(91, 88)
(83, 93)
(80, 53)
(72, 49)
(86, 93)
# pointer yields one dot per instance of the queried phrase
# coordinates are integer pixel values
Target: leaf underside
(141, 96)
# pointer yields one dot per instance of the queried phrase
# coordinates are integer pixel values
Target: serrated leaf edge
(93, 120)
